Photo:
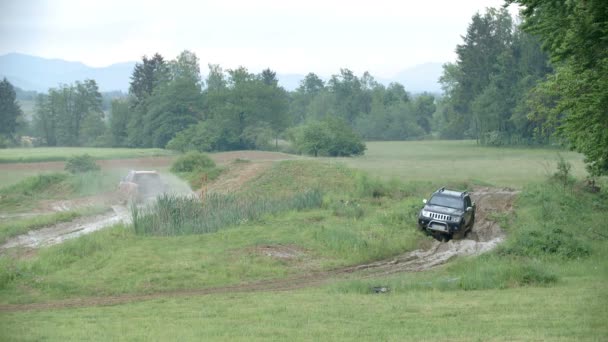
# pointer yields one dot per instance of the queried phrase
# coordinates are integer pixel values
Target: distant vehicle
(141, 185)
(447, 213)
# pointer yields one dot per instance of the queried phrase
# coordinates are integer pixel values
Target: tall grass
(178, 215)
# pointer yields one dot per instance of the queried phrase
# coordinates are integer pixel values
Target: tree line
(541, 81)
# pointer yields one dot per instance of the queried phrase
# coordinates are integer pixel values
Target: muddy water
(68, 230)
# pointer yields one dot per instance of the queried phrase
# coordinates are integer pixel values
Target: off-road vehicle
(141, 185)
(447, 213)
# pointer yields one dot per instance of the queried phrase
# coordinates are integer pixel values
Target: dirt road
(486, 235)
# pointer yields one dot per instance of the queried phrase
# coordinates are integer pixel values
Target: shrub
(192, 161)
(554, 241)
(198, 137)
(563, 175)
(331, 137)
(80, 164)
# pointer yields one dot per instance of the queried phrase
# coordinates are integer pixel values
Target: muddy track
(486, 235)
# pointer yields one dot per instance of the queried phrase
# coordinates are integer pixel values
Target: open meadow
(462, 160)
(298, 249)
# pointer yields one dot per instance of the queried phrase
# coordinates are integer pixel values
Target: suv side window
(467, 202)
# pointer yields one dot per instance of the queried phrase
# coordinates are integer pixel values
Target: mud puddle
(68, 230)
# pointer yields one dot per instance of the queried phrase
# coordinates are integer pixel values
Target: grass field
(42, 154)
(547, 281)
(572, 311)
(457, 161)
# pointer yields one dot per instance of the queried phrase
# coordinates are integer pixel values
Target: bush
(331, 137)
(554, 241)
(198, 137)
(80, 164)
(192, 161)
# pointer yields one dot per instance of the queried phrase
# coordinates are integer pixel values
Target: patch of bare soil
(126, 163)
(283, 252)
(485, 236)
(254, 156)
(237, 175)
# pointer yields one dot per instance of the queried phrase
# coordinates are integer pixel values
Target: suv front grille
(441, 217)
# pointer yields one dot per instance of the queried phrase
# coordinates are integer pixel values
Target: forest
(531, 80)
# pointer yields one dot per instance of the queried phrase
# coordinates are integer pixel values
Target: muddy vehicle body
(447, 214)
(141, 185)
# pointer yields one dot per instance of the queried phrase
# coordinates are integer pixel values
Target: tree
(576, 35)
(119, 119)
(147, 76)
(9, 109)
(424, 107)
(70, 115)
(488, 36)
(173, 108)
(244, 108)
(45, 119)
(332, 137)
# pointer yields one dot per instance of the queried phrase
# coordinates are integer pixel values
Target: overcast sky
(322, 36)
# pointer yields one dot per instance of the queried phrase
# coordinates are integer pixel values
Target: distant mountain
(39, 74)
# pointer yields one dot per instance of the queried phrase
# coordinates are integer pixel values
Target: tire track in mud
(485, 236)
(61, 232)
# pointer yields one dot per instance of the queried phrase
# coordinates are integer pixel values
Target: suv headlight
(425, 213)
(455, 218)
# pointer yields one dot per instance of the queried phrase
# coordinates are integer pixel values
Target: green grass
(42, 154)
(327, 236)
(551, 289)
(457, 161)
(573, 311)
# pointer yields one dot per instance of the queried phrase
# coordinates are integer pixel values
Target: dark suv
(447, 213)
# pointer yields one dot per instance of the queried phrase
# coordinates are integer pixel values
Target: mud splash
(485, 236)
(68, 230)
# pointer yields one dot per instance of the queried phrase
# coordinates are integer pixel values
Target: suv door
(467, 214)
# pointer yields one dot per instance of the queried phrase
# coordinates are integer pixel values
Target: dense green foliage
(330, 137)
(192, 161)
(574, 99)
(195, 167)
(375, 111)
(9, 112)
(484, 90)
(80, 164)
(70, 115)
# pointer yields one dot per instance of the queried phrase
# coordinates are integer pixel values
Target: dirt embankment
(486, 235)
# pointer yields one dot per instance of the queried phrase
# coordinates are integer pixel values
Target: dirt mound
(237, 175)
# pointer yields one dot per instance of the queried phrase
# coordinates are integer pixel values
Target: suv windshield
(447, 201)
